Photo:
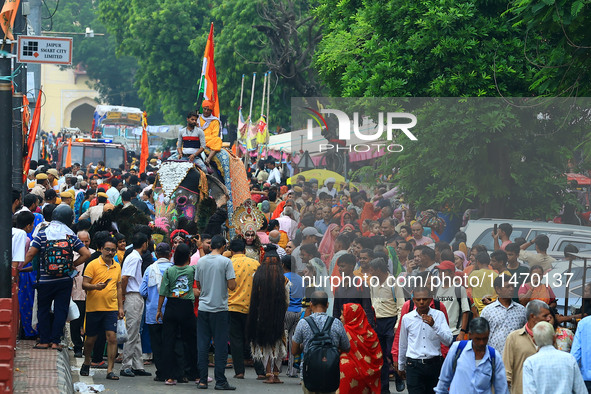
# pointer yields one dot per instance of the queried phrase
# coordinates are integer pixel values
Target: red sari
(361, 366)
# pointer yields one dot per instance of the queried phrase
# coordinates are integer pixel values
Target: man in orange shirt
(239, 305)
(211, 128)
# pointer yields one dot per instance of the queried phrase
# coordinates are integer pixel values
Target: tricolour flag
(208, 85)
(7, 16)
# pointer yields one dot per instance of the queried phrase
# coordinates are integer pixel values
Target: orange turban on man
(207, 104)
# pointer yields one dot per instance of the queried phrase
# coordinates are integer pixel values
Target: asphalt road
(141, 385)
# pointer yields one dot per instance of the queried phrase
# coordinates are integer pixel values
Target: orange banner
(145, 152)
(7, 16)
(32, 135)
(69, 155)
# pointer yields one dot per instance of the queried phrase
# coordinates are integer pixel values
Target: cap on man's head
(53, 172)
(446, 265)
(308, 231)
(163, 248)
(329, 180)
(65, 195)
(207, 104)
(41, 176)
(103, 194)
(153, 161)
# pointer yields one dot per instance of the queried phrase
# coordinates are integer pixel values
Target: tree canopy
(113, 75)
(445, 48)
(168, 39)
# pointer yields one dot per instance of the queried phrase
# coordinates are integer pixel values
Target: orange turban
(207, 104)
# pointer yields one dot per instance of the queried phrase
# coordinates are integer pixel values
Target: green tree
(562, 61)
(168, 40)
(466, 48)
(113, 75)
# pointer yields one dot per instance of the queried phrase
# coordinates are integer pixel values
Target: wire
(51, 14)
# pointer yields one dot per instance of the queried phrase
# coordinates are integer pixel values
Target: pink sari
(326, 247)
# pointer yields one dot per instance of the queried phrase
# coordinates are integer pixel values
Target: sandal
(101, 365)
(276, 379)
(112, 376)
(202, 386)
(85, 370)
(269, 379)
(59, 348)
(170, 382)
(41, 346)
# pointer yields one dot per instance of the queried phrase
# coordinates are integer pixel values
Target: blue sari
(26, 297)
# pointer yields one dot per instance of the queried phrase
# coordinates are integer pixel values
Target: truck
(122, 125)
(93, 150)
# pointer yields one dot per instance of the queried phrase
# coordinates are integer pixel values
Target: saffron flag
(32, 135)
(69, 155)
(144, 143)
(208, 85)
(7, 16)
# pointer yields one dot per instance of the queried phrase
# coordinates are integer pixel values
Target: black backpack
(321, 359)
(58, 257)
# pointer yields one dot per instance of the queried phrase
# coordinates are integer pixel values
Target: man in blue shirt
(149, 289)
(294, 309)
(581, 349)
(322, 224)
(476, 369)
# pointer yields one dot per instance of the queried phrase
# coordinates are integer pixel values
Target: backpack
(321, 359)
(461, 347)
(58, 257)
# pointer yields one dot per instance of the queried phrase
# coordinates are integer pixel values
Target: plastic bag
(121, 332)
(73, 311)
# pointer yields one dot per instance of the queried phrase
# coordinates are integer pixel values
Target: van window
(114, 157)
(77, 154)
(486, 238)
(579, 244)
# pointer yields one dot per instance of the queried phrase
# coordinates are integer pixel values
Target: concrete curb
(64, 372)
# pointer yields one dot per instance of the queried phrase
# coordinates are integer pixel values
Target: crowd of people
(402, 307)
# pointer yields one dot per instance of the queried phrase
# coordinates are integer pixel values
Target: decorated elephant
(182, 190)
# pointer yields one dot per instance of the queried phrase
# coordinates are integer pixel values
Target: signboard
(45, 50)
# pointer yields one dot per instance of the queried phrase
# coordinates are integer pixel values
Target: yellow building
(69, 98)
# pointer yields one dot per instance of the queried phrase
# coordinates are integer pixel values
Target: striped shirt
(190, 140)
(39, 242)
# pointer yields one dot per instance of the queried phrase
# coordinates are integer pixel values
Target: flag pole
(268, 95)
(254, 78)
(241, 92)
(264, 94)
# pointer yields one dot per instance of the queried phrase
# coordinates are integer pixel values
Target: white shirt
(418, 340)
(19, 244)
(132, 267)
(274, 176)
(552, 371)
(288, 225)
(113, 195)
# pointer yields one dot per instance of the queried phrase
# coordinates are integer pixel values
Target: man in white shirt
(133, 305)
(551, 370)
(113, 191)
(422, 332)
(328, 188)
(454, 298)
(274, 174)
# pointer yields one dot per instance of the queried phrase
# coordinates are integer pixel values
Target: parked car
(558, 278)
(479, 231)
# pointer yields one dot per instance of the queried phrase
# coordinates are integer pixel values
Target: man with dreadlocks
(269, 300)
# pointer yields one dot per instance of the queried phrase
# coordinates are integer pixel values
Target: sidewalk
(41, 371)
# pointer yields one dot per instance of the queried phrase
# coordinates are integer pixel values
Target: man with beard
(191, 141)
